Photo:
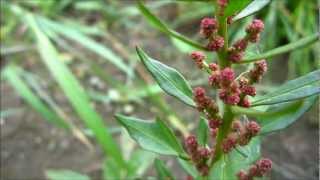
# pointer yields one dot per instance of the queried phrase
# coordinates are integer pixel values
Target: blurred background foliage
(87, 60)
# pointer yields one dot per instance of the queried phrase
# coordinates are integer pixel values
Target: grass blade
(74, 92)
(11, 73)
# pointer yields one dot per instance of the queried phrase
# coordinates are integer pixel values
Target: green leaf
(252, 8)
(188, 167)
(65, 175)
(235, 6)
(169, 79)
(74, 91)
(157, 23)
(162, 170)
(139, 162)
(202, 132)
(280, 116)
(152, 135)
(301, 87)
(85, 41)
(11, 73)
(229, 165)
(111, 170)
(299, 44)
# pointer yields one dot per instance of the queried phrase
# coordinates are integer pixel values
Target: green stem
(223, 132)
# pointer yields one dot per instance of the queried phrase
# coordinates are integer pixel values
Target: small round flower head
(258, 71)
(245, 102)
(253, 170)
(199, 92)
(232, 99)
(216, 43)
(249, 90)
(234, 88)
(253, 128)
(198, 57)
(191, 143)
(264, 165)
(240, 45)
(214, 79)
(235, 56)
(222, 3)
(242, 175)
(213, 66)
(229, 143)
(261, 66)
(208, 26)
(215, 123)
(204, 153)
(255, 27)
(227, 75)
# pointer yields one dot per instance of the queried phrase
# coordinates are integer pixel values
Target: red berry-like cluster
(198, 58)
(259, 169)
(260, 68)
(208, 29)
(198, 155)
(241, 134)
(236, 52)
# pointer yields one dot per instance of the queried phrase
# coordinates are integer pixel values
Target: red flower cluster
(254, 30)
(208, 26)
(259, 169)
(241, 134)
(260, 68)
(236, 52)
(198, 58)
(204, 103)
(198, 155)
(215, 43)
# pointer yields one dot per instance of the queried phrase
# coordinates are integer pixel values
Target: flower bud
(264, 165)
(199, 92)
(216, 43)
(191, 143)
(249, 90)
(204, 153)
(232, 99)
(198, 57)
(215, 123)
(229, 143)
(253, 128)
(208, 26)
(227, 75)
(255, 27)
(240, 45)
(214, 79)
(214, 66)
(245, 102)
(235, 56)
(214, 132)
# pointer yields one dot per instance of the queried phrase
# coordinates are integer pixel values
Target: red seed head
(214, 79)
(253, 171)
(232, 99)
(215, 123)
(245, 102)
(222, 3)
(255, 27)
(213, 66)
(208, 26)
(240, 45)
(227, 74)
(249, 90)
(199, 92)
(235, 56)
(229, 143)
(197, 55)
(264, 165)
(253, 128)
(204, 153)
(216, 43)
(242, 175)
(191, 143)
(261, 66)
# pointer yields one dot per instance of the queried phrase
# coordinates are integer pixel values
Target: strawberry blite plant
(228, 138)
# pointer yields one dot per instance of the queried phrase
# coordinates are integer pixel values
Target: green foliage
(253, 7)
(169, 79)
(229, 165)
(235, 6)
(162, 170)
(65, 175)
(202, 132)
(153, 136)
(301, 87)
